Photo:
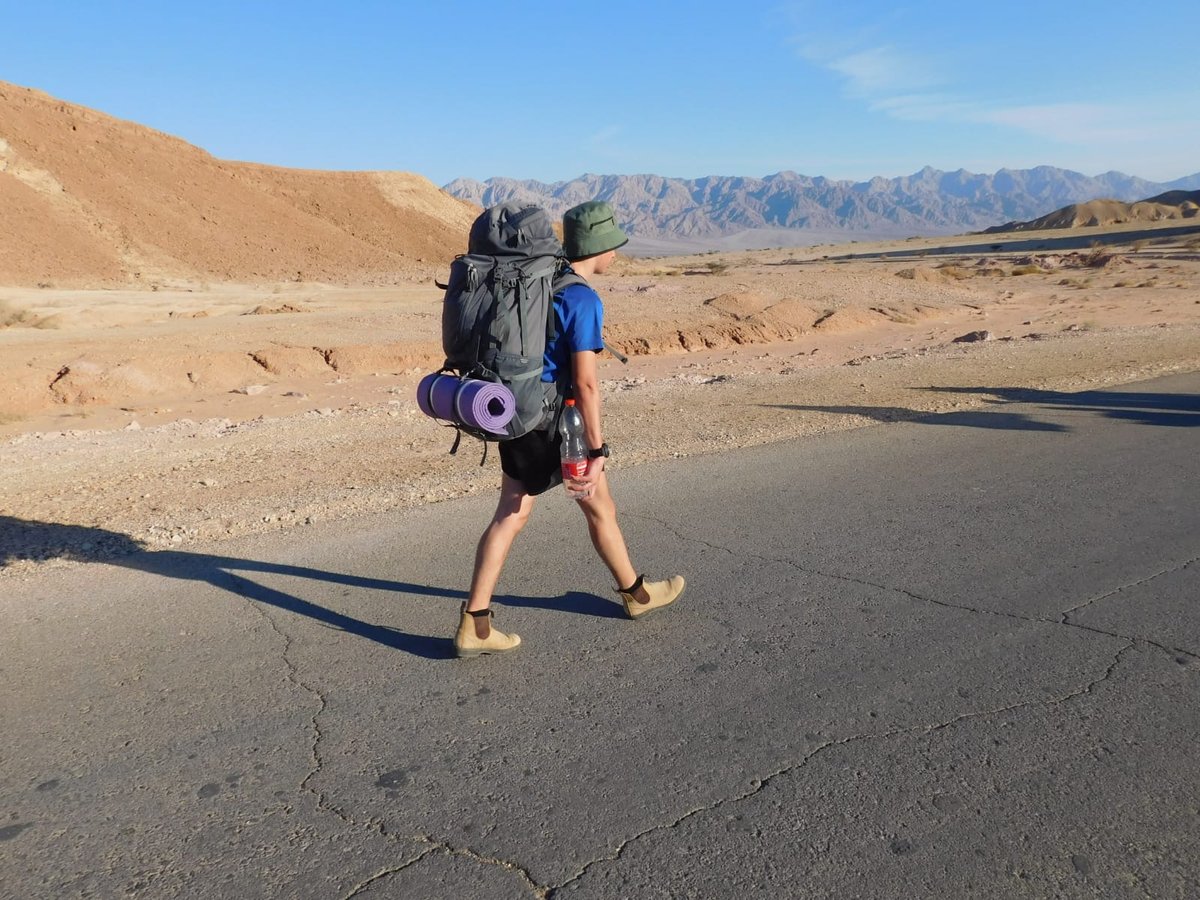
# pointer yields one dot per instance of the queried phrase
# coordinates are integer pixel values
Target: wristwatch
(600, 451)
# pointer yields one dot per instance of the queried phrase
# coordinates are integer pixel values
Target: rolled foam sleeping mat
(467, 401)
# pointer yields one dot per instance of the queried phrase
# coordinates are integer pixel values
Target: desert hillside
(93, 201)
(1095, 213)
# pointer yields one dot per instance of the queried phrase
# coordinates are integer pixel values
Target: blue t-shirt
(579, 315)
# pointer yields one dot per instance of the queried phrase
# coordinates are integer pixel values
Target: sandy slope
(90, 200)
(1169, 206)
(192, 415)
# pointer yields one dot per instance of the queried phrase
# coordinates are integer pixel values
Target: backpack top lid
(514, 229)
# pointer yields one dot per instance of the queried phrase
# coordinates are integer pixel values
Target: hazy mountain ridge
(928, 202)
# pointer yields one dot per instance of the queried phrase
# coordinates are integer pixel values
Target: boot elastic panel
(660, 594)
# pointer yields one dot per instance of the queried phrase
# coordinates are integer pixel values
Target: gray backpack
(498, 311)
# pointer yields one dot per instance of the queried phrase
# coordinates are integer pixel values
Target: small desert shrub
(1028, 270)
(11, 315)
(956, 272)
(716, 268)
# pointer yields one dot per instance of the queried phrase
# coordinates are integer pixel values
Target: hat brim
(623, 240)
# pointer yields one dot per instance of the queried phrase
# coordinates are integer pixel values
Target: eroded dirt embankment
(79, 351)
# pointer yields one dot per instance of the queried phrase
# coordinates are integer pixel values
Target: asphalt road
(945, 658)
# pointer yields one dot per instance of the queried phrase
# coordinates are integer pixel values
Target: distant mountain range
(787, 208)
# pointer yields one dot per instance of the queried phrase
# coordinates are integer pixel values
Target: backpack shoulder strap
(564, 279)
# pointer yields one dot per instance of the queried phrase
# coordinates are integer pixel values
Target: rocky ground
(170, 418)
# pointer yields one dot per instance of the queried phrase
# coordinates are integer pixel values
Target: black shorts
(533, 460)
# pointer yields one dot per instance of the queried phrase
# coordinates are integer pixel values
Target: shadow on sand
(21, 539)
(1169, 410)
(1003, 243)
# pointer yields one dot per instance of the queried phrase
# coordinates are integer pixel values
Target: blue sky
(551, 91)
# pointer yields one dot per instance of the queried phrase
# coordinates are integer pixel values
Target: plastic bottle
(573, 447)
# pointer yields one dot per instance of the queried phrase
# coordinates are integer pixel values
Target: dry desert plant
(11, 315)
(956, 272)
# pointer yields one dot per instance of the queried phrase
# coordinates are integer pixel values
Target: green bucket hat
(590, 229)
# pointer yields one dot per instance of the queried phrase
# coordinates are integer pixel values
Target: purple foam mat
(467, 401)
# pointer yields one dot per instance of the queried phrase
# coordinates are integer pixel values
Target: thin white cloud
(889, 78)
(605, 138)
(1078, 123)
(932, 107)
(906, 87)
(893, 76)
(881, 71)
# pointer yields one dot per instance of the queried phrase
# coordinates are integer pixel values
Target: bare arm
(587, 398)
(587, 395)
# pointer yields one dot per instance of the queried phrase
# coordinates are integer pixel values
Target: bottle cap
(570, 401)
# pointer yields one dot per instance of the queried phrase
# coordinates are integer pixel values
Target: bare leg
(601, 513)
(512, 512)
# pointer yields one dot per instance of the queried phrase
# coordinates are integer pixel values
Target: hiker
(531, 464)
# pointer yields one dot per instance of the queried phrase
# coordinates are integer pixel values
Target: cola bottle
(573, 447)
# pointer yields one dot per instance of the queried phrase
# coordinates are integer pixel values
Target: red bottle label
(574, 468)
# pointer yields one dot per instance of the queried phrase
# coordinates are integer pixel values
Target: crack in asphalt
(1167, 571)
(1062, 621)
(544, 892)
(386, 873)
(467, 853)
(434, 846)
(325, 805)
(757, 785)
(292, 674)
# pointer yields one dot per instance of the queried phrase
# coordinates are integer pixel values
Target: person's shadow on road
(21, 539)
(1142, 408)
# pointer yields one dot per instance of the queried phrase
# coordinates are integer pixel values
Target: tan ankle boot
(476, 635)
(648, 596)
